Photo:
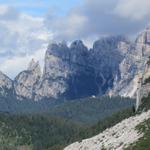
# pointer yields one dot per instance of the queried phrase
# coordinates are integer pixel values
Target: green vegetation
(145, 104)
(90, 110)
(147, 80)
(144, 128)
(42, 132)
(86, 110)
(144, 142)
(37, 132)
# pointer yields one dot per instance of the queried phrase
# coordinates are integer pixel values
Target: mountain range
(111, 67)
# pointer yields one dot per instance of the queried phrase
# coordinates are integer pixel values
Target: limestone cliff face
(56, 70)
(106, 56)
(65, 71)
(26, 82)
(6, 85)
(112, 66)
(133, 65)
(145, 89)
(74, 72)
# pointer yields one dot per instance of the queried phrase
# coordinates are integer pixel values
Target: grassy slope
(41, 132)
(144, 142)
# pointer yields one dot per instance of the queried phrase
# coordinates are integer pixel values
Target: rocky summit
(112, 66)
(6, 85)
(133, 65)
(75, 71)
(25, 84)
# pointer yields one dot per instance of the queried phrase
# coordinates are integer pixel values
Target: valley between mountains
(84, 99)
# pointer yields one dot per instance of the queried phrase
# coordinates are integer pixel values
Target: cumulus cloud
(8, 13)
(14, 65)
(133, 9)
(98, 17)
(21, 36)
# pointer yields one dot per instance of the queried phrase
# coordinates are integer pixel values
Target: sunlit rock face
(106, 56)
(74, 71)
(26, 82)
(6, 85)
(145, 88)
(112, 66)
(55, 72)
(66, 72)
(132, 65)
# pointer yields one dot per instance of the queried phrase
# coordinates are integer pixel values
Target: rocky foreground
(117, 137)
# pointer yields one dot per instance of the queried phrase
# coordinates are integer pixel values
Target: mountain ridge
(70, 72)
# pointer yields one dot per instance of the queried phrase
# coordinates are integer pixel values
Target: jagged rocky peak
(26, 82)
(145, 90)
(65, 71)
(124, 47)
(79, 53)
(35, 67)
(109, 43)
(142, 43)
(6, 84)
(5, 81)
(144, 36)
(75, 71)
(56, 71)
(78, 45)
(133, 64)
(55, 57)
(58, 50)
(105, 50)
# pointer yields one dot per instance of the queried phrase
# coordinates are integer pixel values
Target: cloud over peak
(23, 35)
(133, 9)
(98, 17)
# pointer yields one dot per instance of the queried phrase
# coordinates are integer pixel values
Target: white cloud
(99, 17)
(133, 9)
(21, 38)
(68, 26)
(14, 65)
(3, 9)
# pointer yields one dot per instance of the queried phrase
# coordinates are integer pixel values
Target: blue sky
(41, 7)
(27, 26)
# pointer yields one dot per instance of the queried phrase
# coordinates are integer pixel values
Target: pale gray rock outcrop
(118, 137)
(74, 71)
(106, 57)
(26, 82)
(145, 87)
(56, 71)
(112, 66)
(133, 65)
(6, 85)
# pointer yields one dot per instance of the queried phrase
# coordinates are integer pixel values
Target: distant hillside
(87, 110)
(90, 110)
(42, 132)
